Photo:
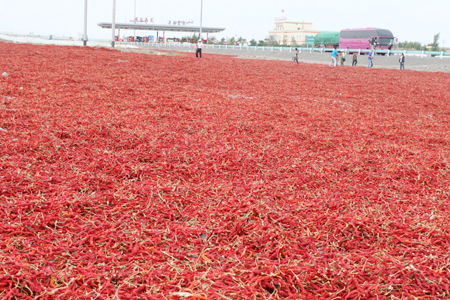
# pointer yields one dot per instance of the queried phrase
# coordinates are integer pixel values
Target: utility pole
(113, 24)
(135, 19)
(201, 19)
(85, 23)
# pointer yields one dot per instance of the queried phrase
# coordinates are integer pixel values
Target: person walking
(296, 56)
(334, 57)
(199, 48)
(402, 61)
(389, 49)
(355, 59)
(370, 57)
(342, 56)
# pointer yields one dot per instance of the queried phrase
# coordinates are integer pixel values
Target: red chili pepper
(220, 177)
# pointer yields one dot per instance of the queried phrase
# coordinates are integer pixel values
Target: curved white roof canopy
(161, 27)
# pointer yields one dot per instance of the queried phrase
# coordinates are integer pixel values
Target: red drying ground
(134, 176)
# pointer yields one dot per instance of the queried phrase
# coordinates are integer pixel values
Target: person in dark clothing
(402, 62)
(355, 59)
(296, 56)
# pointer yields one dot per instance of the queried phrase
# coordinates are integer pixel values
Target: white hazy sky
(412, 20)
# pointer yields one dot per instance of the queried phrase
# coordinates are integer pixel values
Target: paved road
(431, 64)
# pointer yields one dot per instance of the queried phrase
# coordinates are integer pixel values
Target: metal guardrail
(286, 49)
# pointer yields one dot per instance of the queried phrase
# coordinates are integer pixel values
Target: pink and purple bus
(364, 38)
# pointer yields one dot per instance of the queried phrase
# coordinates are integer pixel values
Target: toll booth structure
(163, 28)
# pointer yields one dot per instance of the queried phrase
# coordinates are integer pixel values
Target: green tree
(212, 39)
(222, 41)
(410, 45)
(293, 42)
(285, 40)
(262, 43)
(253, 42)
(435, 44)
(240, 39)
(272, 41)
(232, 40)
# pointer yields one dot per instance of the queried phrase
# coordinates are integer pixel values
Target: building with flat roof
(292, 31)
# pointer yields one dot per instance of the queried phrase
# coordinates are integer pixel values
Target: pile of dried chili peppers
(134, 176)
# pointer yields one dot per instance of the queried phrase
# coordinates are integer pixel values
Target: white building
(286, 31)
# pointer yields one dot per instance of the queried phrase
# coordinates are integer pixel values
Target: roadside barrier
(440, 54)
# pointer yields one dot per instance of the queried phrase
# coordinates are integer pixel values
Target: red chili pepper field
(136, 176)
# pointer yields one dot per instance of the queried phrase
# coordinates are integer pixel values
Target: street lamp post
(85, 23)
(113, 24)
(134, 19)
(201, 18)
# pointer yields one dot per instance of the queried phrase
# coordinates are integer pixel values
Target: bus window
(385, 41)
(384, 32)
(357, 34)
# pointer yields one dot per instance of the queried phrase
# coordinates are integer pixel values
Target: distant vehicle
(366, 38)
(327, 39)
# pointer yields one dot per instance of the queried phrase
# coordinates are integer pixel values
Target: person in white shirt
(199, 48)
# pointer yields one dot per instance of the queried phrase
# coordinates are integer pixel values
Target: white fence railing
(441, 54)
